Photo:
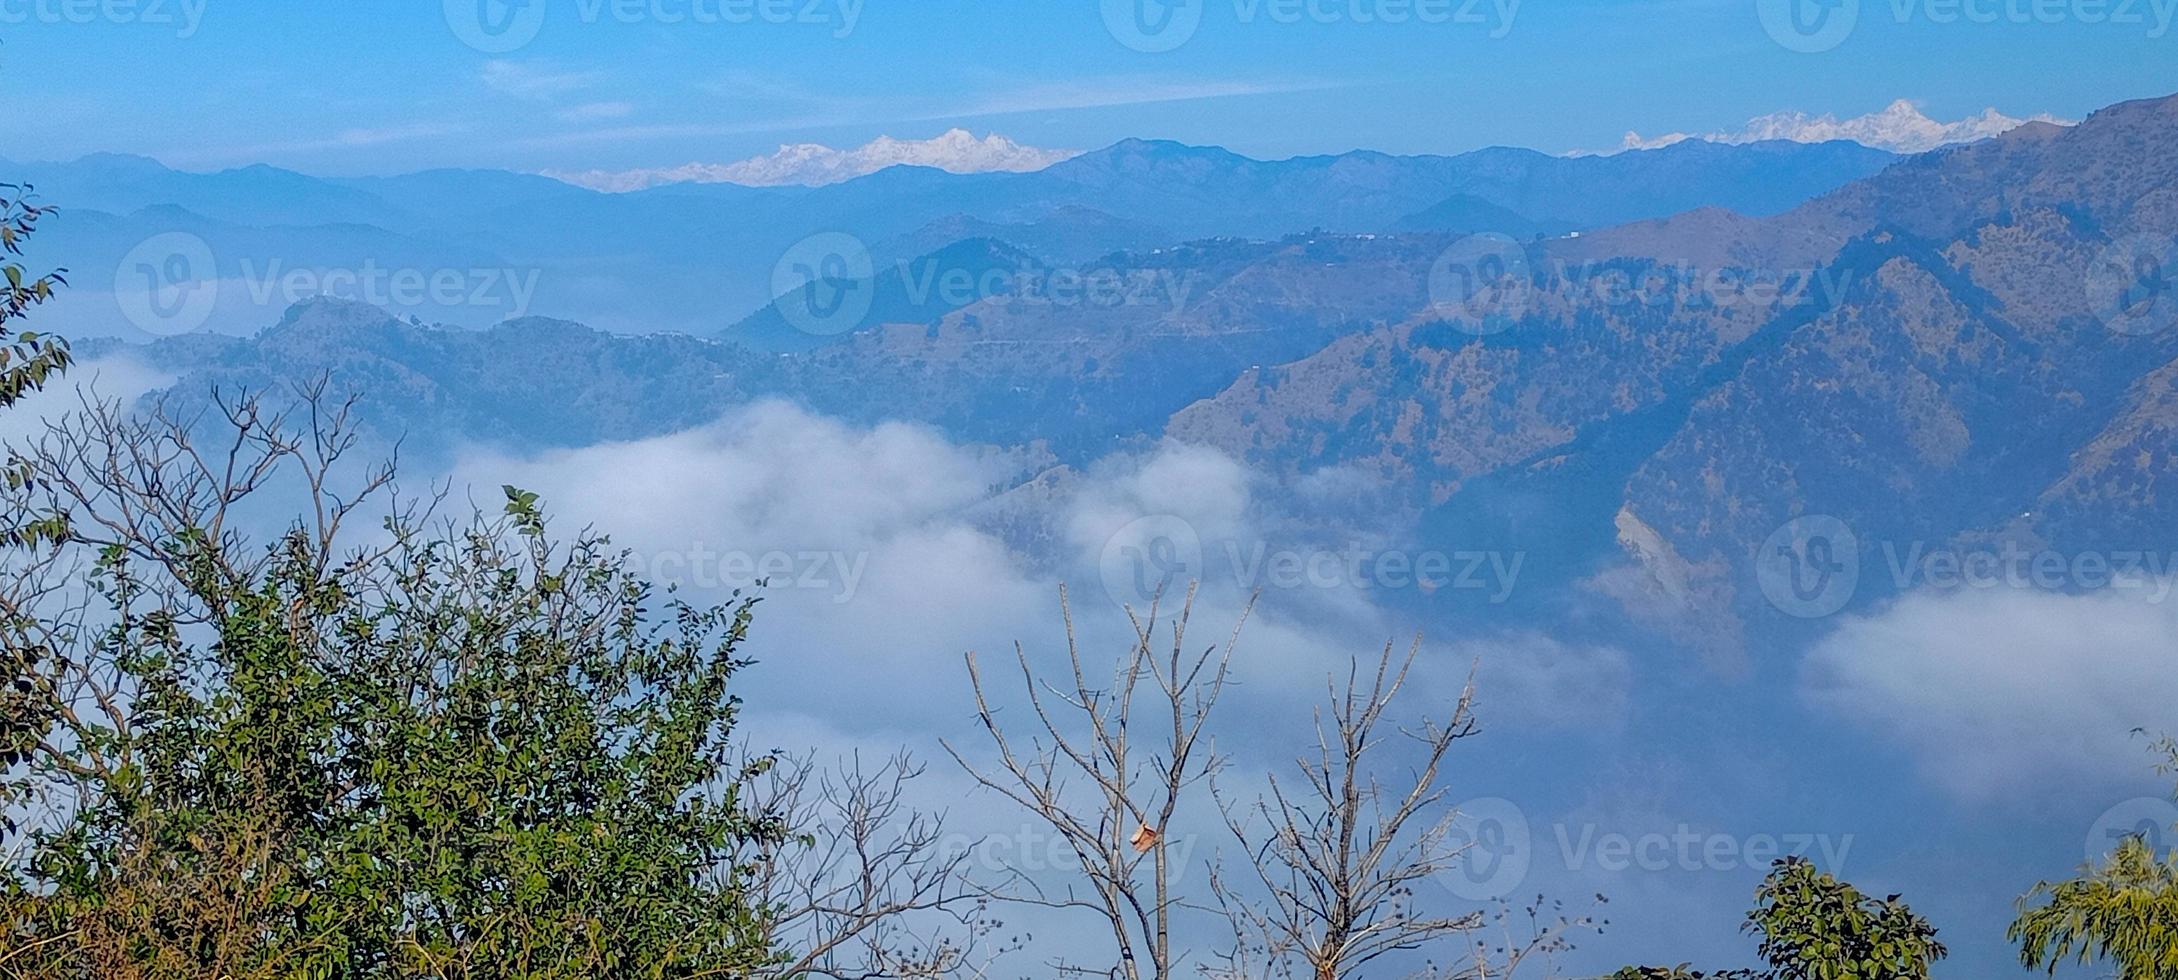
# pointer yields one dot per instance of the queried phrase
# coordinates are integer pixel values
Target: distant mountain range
(1931, 350)
(699, 258)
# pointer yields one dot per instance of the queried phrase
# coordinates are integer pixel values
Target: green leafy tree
(1816, 927)
(28, 360)
(2122, 911)
(1813, 926)
(452, 749)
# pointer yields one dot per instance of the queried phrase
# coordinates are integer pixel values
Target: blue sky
(355, 88)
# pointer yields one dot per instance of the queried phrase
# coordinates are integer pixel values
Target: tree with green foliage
(1816, 927)
(2122, 911)
(1813, 926)
(27, 359)
(430, 748)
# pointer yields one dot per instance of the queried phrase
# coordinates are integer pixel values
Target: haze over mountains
(700, 257)
(1631, 379)
(1663, 396)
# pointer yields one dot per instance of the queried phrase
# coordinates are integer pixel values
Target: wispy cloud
(352, 138)
(592, 111)
(790, 107)
(532, 81)
(1101, 93)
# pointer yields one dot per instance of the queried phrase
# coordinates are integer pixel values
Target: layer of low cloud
(117, 378)
(2006, 689)
(890, 551)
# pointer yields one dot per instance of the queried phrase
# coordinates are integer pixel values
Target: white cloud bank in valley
(814, 165)
(887, 550)
(2007, 689)
(1900, 127)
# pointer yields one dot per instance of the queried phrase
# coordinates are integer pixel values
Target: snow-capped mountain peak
(814, 164)
(1900, 127)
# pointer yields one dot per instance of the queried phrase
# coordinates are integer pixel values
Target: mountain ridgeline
(698, 258)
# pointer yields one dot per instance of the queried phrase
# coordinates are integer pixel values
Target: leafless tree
(146, 485)
(1336, 873)
(870, 889)
(1110, 798)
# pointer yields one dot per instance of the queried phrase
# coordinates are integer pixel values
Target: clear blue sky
(366, 88)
